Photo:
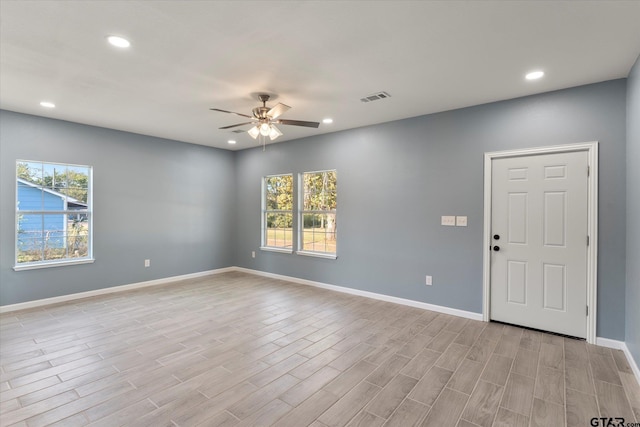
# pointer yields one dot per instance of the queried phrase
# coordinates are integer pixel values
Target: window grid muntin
(266, 211)
(303, 231)
(41, 168)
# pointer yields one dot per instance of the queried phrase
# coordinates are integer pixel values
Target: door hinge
(588, 240)
(588, 170)
(587, 310)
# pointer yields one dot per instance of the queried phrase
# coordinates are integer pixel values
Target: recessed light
(231, 141)
(118, 41)
(327, 120)
(47, 104)
(534, 75)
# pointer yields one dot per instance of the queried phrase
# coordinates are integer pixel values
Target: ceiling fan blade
(230, 112)
(277, 110)
(234, 126)
(297, 123)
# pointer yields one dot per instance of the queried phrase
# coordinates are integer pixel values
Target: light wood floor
(241, 350)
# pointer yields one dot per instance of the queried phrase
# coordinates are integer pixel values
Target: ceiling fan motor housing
(264, 119)
(260, 113)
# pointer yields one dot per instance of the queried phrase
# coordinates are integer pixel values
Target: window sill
(281, 250)
(52, 264)
(317, 254)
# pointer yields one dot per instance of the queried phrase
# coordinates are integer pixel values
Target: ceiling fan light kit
(265, 118)
(274, 132)
(254, 132)
(265, 128)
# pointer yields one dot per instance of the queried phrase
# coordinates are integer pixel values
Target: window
(53, 214)
(277, 213)
(317, 220)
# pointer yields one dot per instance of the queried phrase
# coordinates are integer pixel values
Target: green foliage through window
(316, 217)
(53, 212)
(318, 214)
(278, 211)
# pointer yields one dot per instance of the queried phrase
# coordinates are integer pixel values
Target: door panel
(554, 287)
(554, 218)
(517, 282)
(518, 224)
(539, 213)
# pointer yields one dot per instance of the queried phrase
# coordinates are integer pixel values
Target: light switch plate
(461, 221)
(448, 220)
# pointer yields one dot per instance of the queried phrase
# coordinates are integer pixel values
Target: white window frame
(263, 216)
(302, 212)
(88, 212)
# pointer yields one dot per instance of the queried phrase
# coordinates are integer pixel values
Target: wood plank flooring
(240, 350)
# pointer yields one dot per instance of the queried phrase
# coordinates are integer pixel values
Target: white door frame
(592, 223)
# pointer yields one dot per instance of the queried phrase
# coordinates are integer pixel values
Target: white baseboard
(104, 291)
(621, 345)
(605, 342)
(367, 294)
(122, 288)
(632, 362)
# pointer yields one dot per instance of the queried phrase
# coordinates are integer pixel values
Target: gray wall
(632, 337)
(190, 208)
(396, 179)
(158, 199)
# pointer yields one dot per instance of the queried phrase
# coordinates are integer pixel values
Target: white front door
(539, 214)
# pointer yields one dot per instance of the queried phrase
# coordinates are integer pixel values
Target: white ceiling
(319, 57)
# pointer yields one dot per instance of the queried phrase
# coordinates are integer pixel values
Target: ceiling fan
(264, 119)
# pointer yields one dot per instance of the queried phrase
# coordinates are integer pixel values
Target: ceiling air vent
(375, 97)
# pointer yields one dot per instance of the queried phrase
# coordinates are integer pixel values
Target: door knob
(496, 236)
(496, 248)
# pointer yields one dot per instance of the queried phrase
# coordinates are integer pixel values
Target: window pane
(279, 230)
(308, 241)
(278, 197)
(29, 171)
(319, 232)
(288, 238)
(30, 197)
(54, 237)
(319, 201)
(330, 242)
(30, 240)
(53, 200)
(271, 201)
(77, 235)
(53, 176)
(76, 186)
(279, 192)
(76, 197)
(62, 193)
(319, 191)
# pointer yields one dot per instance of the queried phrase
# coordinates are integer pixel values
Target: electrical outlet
(147, 263)
(448, 220)
(253, 254)
(429, 281)
(461, 221)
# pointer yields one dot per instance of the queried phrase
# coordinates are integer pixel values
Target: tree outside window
(277, 212)
(318, 220)
(53, 213)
